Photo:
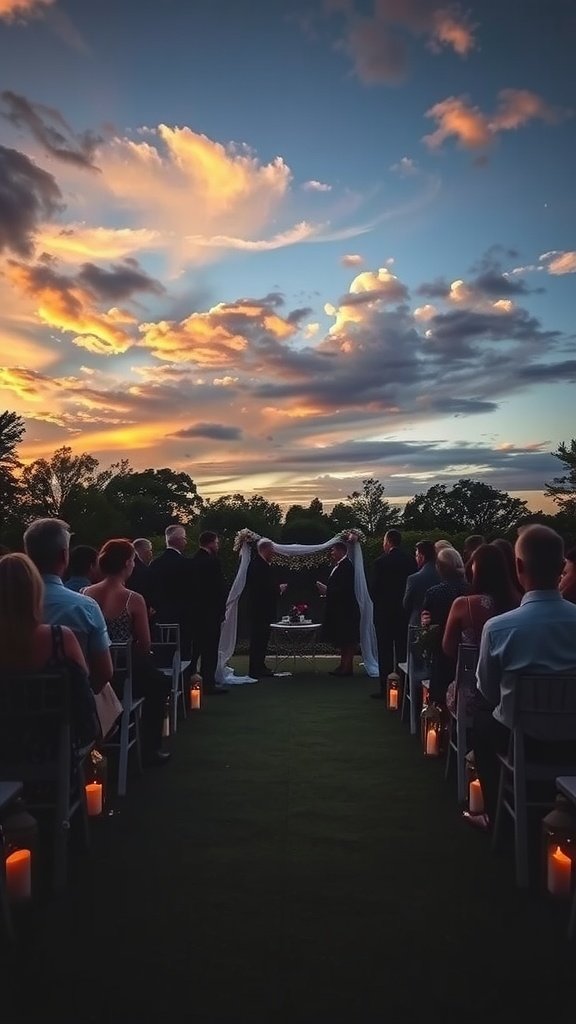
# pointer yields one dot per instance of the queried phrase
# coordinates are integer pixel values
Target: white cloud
(352, 260)
(406, 167)
(316, 186)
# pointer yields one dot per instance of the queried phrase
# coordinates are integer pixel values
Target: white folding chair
(415, 671)
(166, 658)
(169, 633)
(460, 721)
(126, 736)
(544, 707)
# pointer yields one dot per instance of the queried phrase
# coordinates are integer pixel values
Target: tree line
(122, 501)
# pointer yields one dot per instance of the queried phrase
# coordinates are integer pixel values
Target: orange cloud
(22, 10)
(473, 129)
(559, 262)
(353, 259)
(78, 242)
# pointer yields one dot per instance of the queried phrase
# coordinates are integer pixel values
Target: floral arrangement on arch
(245, 536)
(353, 536)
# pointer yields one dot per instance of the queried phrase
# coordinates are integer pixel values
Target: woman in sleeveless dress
(27, 645)
(126, 618)
(491, 593)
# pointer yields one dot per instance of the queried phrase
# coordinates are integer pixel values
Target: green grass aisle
(298, 861)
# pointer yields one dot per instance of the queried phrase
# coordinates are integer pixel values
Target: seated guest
(46, 542)
(470, 545)
(539, 637)
(82, 568)
(342, 616)
(126, 618)
(507, 550)
(435, 612)
(441, 545)
(28, 645)
(568, 582)
(419, 583)
(491, 593)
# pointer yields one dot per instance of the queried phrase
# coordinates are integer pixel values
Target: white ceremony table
(302, 636)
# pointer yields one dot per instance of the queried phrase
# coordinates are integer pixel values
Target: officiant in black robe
(342, 613)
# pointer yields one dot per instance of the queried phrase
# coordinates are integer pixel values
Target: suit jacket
(416, 587)
(389, 574)
(342, 618)
(262, 589)
(208, 588)
(170, 590)
(138, 580)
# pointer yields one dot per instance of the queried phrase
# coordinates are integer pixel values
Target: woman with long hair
(126, 618)
(568, 582)
(507, 550)
(28, 645)
(491, 593)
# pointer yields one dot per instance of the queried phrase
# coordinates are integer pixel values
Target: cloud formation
(22, 10)
(559, 263)
(47, 126)
(353, 259)
(316, 186)
(213, 431)
(28, 196)
(472, 129)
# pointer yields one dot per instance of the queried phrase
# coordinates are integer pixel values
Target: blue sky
(287, 246)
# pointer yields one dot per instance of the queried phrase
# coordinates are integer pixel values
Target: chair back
(163, 655)
(545, 706)
(466, 665)
(416, 663)
(168, 633)
(121, 655)
(35, 726)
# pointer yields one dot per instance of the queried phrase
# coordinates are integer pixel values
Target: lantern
(431, 728)
(475, 794)
(99, 773)
(392, 691)
(559, 846)
(166, 722)
(19, 840)
(195, 693)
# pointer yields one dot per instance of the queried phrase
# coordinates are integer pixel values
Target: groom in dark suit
(342, 615)
(208, 609)
(389, 574)
(263, 591)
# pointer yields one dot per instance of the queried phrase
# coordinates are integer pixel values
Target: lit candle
(19, 875)
(432, 743)
(195, 698)
(393, 700)
(166, 726)
(475, 797)
(559, 872)
(94, 798)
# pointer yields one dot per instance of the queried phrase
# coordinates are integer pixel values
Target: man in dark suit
(263, 591)
(138, 579)
(170, 586)
(208, 609)
(420, 582)
(342, 616)
(389, 575)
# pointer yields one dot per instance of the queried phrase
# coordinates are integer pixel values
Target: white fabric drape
(225, 674)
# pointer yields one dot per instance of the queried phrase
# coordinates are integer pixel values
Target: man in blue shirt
(47, 542)
(82, 568)
(537, 638)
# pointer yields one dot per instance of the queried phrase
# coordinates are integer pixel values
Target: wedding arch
(244, 542)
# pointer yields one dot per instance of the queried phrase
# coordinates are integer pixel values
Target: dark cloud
(28, 195)
(392, 290)
(49, 128)
(120, 282)
(437, 289)
(212, 431)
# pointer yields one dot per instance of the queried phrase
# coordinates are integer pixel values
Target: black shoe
(157, 758)
(377, 696)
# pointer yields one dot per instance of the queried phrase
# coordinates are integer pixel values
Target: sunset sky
(287, 245)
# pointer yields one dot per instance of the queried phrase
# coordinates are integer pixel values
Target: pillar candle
(475, 797)
(393, 700)
(195, 698)
(19, 875)
(166, 726)
(432, 743)
(94, 798)
(559, 872)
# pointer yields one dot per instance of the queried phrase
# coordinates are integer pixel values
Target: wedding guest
(138, 581)
(440, 545)
(263, 590)
(537, 638)
(342, 615)
(419, 583)
(126, 618)
(470, 545)
(491, 593)
(389, 575)
(27, 644)
(435, 611)
(209, 609)
(82, 568)
(568, 582)
(46, 542)
(170, 586)
(507, 550)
